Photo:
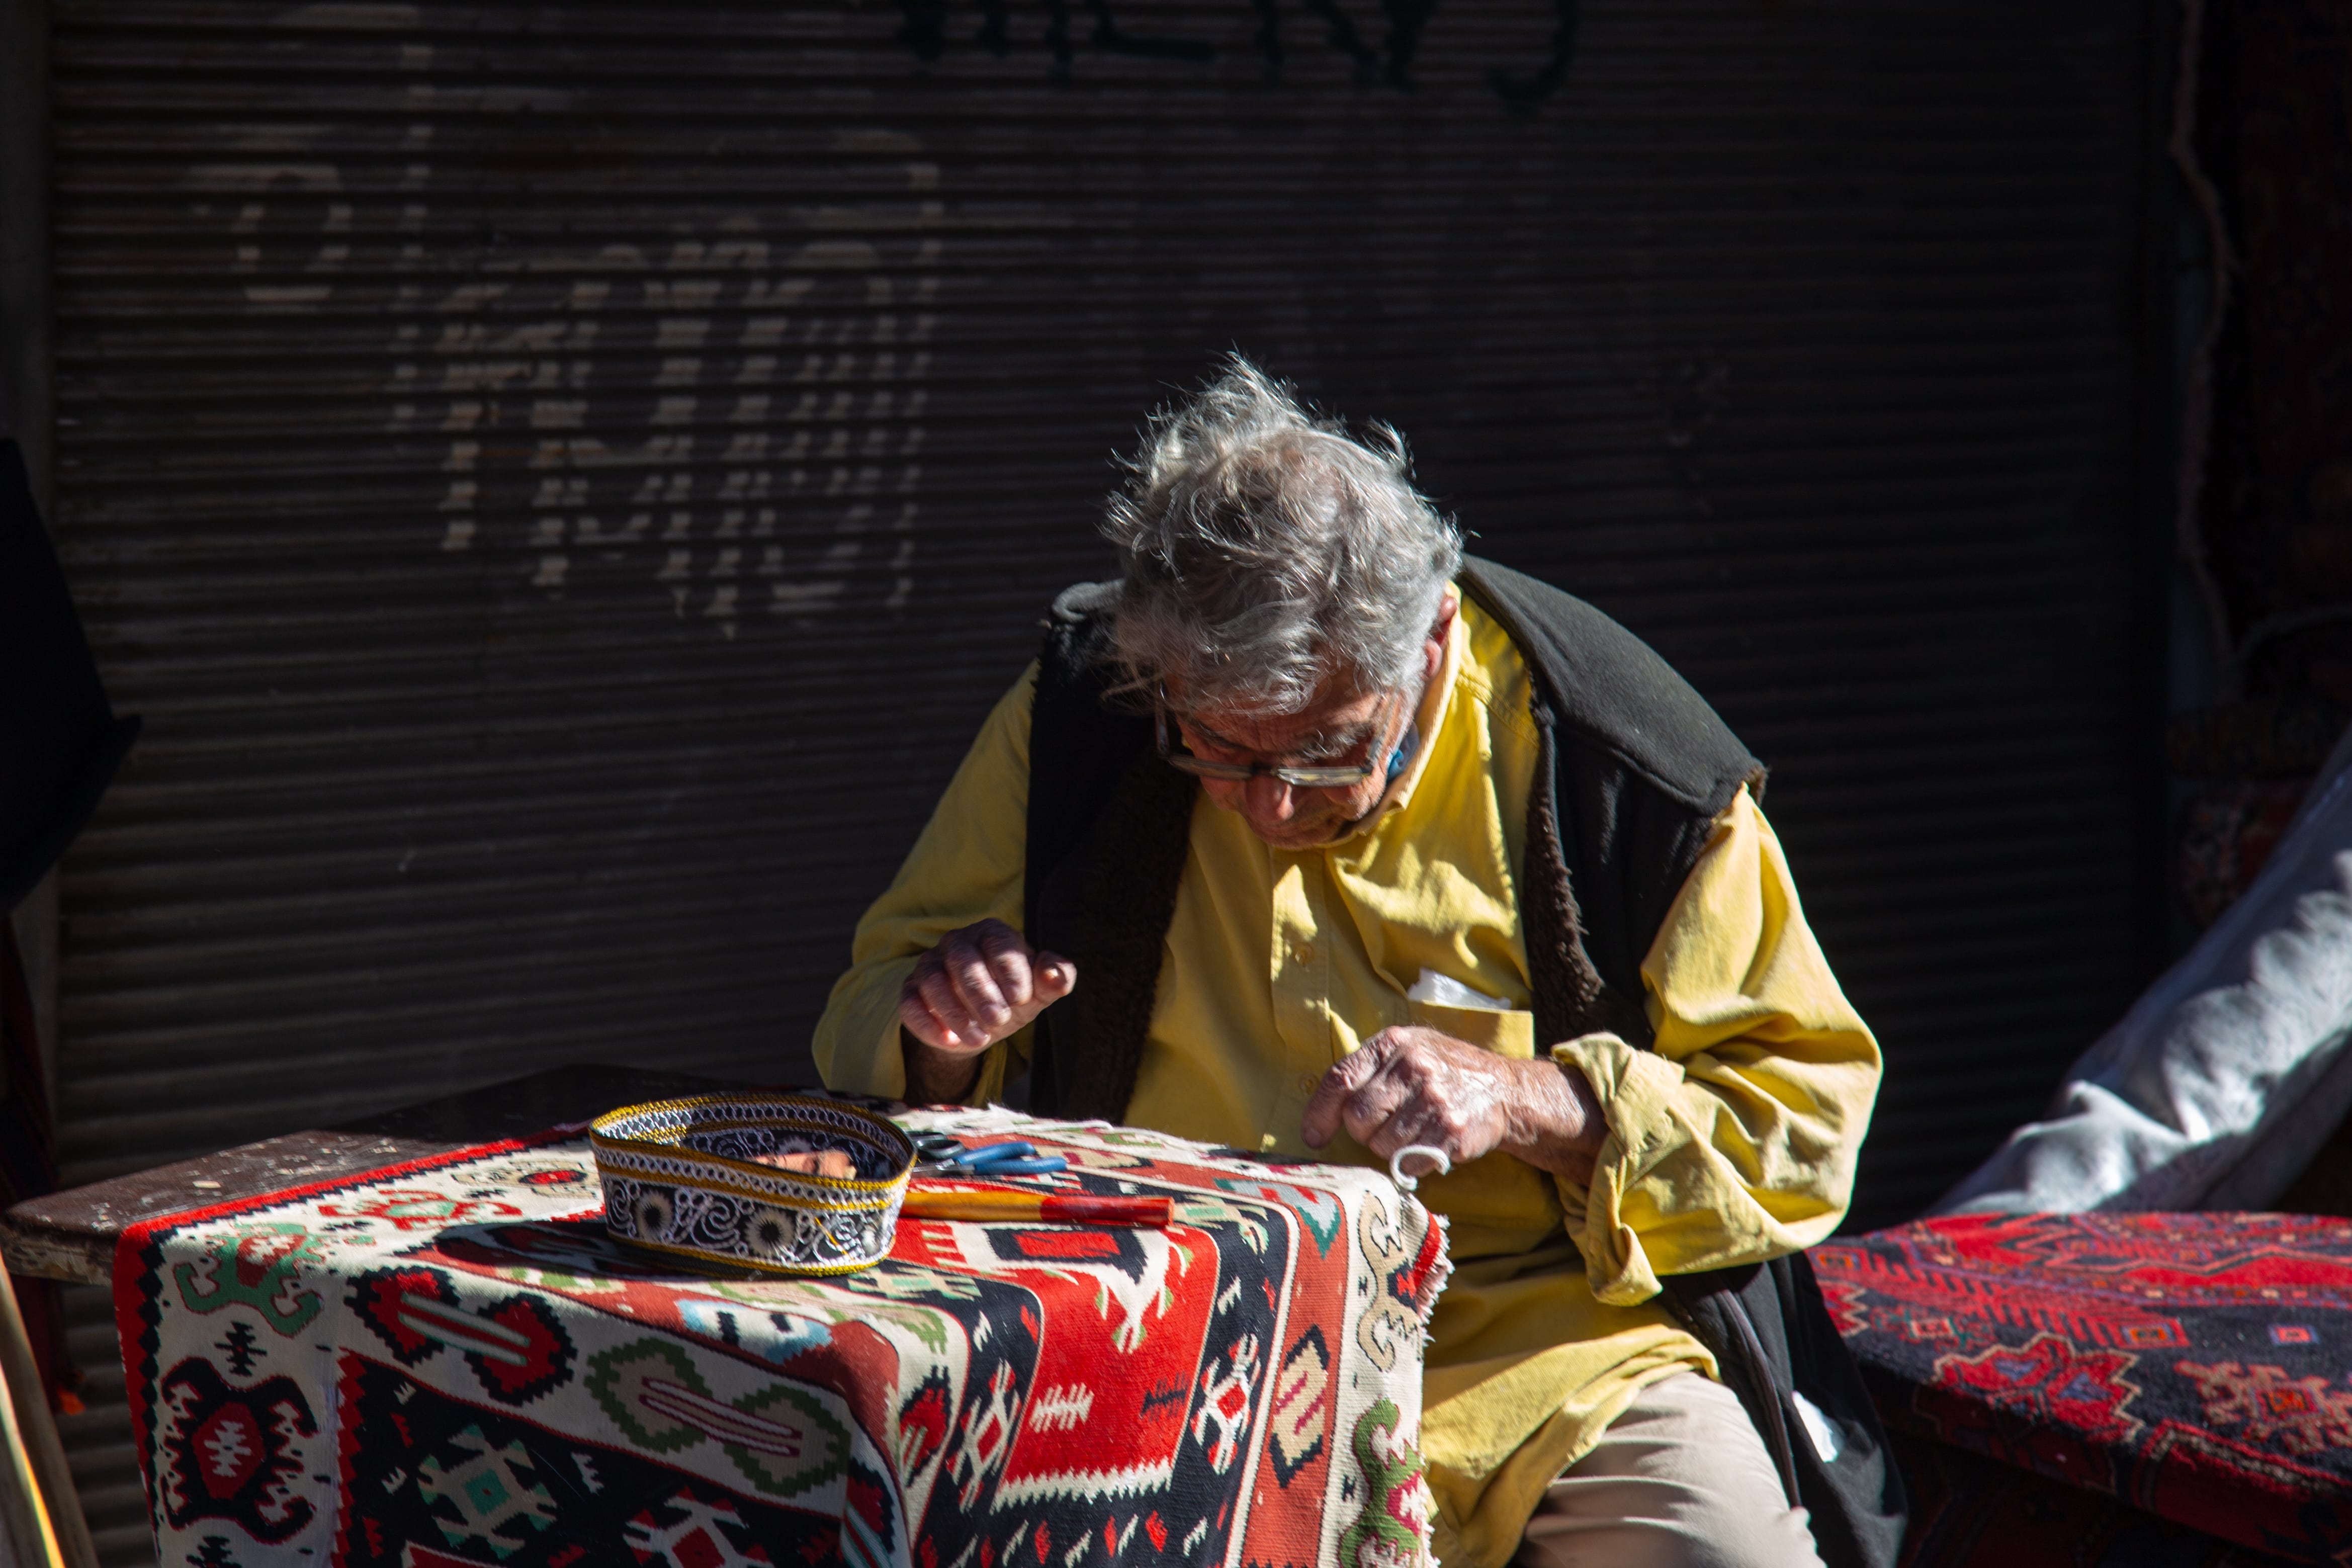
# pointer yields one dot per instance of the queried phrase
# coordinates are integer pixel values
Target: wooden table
(70, 1236)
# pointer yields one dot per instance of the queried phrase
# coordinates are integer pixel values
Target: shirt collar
(1437, 700)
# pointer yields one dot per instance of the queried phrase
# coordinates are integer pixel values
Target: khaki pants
(1680, 1481)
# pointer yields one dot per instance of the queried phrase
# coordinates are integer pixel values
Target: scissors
(940, 1155)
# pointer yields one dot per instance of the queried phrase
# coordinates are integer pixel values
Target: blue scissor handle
(1042, 1165)
(992, 1155)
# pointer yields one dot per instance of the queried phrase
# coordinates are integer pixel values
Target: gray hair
(1266, 549)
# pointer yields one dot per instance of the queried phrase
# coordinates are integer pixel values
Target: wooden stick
(33, 1432)
(20, 1495)
(1005, 1207)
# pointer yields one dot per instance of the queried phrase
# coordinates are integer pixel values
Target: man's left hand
(1411, 1085)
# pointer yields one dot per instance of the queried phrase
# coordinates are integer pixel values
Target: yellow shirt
(1733, 1141)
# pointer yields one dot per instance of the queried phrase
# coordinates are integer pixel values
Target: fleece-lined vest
(1632, 767)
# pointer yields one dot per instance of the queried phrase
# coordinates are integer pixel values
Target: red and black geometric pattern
(2191, 1366)
(450, 1363)
(517, 1346)
(225, 1451)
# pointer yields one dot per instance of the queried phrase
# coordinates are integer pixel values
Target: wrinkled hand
(981, 983)
(1411, 1085)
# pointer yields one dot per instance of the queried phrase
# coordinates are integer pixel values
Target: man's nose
(1271, 798)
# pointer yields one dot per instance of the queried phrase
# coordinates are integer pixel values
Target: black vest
(1632, 770)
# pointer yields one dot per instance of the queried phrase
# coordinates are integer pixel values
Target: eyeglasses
(1346, 776)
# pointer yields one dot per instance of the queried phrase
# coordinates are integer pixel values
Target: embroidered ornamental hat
(687, 1177)
(60, 742)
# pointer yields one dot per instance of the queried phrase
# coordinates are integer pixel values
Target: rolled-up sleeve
(1735, 1139)
(966, 867)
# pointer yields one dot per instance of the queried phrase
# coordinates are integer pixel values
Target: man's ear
(1433, 651)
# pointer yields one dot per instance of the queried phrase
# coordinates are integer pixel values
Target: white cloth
(1679, 1480)
(2229, 1072)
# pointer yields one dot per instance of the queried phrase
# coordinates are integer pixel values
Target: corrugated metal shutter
(562, 483)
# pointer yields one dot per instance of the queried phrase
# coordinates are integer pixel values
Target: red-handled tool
(1036, 1208)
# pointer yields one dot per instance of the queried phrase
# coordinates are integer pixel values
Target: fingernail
(998, 1014)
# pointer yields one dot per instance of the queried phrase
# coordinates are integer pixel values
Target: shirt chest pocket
(1506, 1032)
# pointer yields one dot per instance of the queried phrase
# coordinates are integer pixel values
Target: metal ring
(1405, 1183)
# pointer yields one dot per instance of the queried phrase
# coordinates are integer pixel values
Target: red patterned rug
(450, 1365)
(2190, 1365)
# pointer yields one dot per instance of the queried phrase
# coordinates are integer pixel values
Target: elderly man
(1302, 837)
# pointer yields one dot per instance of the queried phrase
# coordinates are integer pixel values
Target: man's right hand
(981, 983)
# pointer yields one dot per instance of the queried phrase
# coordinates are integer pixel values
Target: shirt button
(1304, 953)
(1307, 1083)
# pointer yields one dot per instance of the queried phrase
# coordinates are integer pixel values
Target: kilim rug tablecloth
(448, 1363)
(2192, 1365)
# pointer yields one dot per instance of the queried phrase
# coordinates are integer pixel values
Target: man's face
(1341, 726)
